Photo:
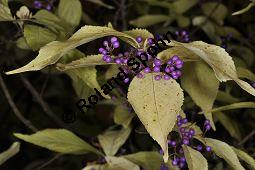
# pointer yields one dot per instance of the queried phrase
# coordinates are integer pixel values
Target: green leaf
(96, 167)
(149, 20)
(229, 124)
(245, 73)
(89, 76)
(59, 140)
(195, 159)
(235, 106)
(22, 43)
(122, 116)
(88, 61)
(219, 60)
(245, 157)
(101, 3)
(120, 163)
(181, 6)
(156, 103)
(201, 84)
(36, 36)
(112, 140)
(5, 2)
(53, 51)
(70, 11)
(183, 21)
(148, 160)
(50, 20)
(244, 10)
(226, 97)
(219, 10)
(13, 150)
(5, 13)
(224, 151)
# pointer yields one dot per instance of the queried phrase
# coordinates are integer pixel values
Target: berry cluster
(182, 36)
(166, 71)
(47, 5)
(186, 134)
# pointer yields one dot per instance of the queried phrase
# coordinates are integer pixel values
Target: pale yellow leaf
(120, 163)
(156, 103)
(13, 150)
(245, 157)
(195, 159)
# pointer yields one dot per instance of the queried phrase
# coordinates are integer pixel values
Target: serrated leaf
(145, 34)
(234, 106)
(156, 103)
(245, 157)
(53, 51)
(219, 60)
(36, 36)
(112, 140)
(59, 140)
(148, 160)
(244, 9)
(224, 151)
(91, 60)
(148, 20)
(122, 116)
(245, 73)
(195, 159)
(230, 125)
(5, 13)
(70, 11)
(13, 150)
(120, 163)
(201, 84)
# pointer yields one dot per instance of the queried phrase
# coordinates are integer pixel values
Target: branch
(43, 104)
(14, 107)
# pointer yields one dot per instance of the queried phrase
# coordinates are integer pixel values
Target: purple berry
(113, 39)
(181, 165)
(48, 7)
(139, 39)
(208, 148)
(37, 4)
(150, 41)
(192, 131)
(179, 66)
(157, 62)
(199, 147)
(156, 69)
(108, 59)
(175, 77)
(181, 151)
(178, 73)
(161, 152)
(185, 141)
(174, 162)
(253, 84)
(208, 127)
(157, 77)
(147, 70)
(105, 43)
(139, 75)
(163, 167)
(207, 122)
(175, 58)
(120, 55)
(117, 60)
(173, 143)
(170, 62)
(101, 50)
(184, 121)
(183, 33)
(182, 129)
(116, 44)
(167, 70)
(182, 159)
(179, 124)
(179, 117)
(104, 52)
(167, 77)
(179, 62)
(126, 80)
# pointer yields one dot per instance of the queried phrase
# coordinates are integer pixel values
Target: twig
(247, 138)
(123, 14)
(40, 100)
(14, 107)
(206, 19)
(45, 82)
(49, 161)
